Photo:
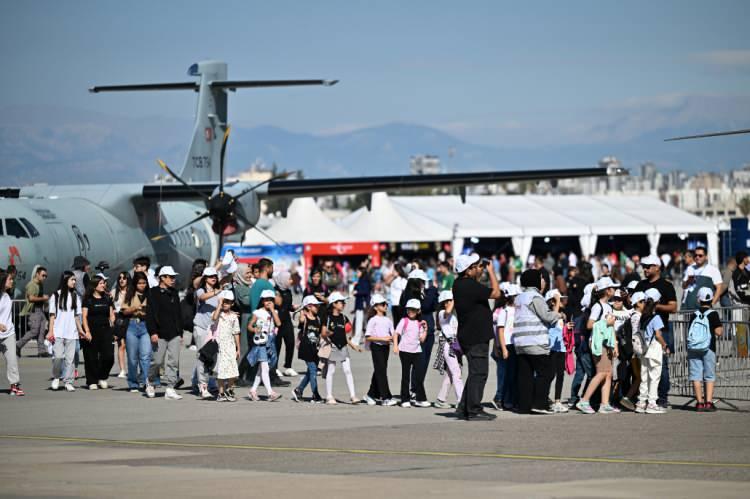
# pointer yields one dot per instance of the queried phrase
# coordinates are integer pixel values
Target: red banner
(342, 249)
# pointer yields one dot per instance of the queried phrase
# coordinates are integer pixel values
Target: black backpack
(625, 340)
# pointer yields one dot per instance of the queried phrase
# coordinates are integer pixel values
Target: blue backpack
(699, 334)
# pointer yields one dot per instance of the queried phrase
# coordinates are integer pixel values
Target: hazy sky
(490, 72)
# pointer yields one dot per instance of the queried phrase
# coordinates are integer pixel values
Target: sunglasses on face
(698, 255)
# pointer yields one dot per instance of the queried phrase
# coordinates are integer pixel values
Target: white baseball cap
(606, 282)
(227, 295)
(651, 260)
(513, 290)
(267, 293)
(310, 300)
(463, 262)
(167, 270)
(705, 294)
(414, 303)
(445, 296)
(551, 294)
(377, 299)
(632, 284)
(418, 274)
(209, 272)
(653, 293)
(101, 276)
(336, 296)
(637, 296)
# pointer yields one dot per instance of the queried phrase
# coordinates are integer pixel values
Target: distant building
(258, 172)
(425, 165)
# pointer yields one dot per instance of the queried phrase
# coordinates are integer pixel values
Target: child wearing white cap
(308, 339)
(448, 359)
(226, 327)
(263, 325)
(503, 352)
(378, 339)
(410, 334)
(338, 333)
(701, 343)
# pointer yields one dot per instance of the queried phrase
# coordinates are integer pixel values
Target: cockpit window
(30, 227)
(14, 228)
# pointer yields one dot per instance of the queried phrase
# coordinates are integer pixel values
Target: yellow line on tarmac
(374, 452)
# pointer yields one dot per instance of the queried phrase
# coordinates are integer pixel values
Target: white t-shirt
(398, 285)
(598, 311)
(263, 322)
(710, 271)
(448, 324)
(65, 320)
(6, 316)
(504, 318)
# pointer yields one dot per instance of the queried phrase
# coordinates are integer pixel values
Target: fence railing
(732, 355)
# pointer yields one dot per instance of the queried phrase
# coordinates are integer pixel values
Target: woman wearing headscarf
(283, 282)
(242, 282)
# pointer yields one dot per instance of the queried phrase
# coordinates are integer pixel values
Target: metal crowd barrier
(732, 356)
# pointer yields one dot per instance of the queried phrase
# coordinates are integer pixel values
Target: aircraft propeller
(220, 206)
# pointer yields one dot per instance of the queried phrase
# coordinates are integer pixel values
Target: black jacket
(163, 315)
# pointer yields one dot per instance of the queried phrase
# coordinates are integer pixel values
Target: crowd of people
(609, 330)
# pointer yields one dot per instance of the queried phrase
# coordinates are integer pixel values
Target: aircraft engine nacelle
(237, 209)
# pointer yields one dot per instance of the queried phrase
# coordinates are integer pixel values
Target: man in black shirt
(475, 330)
(164, 324)
(667, 305)
(741, 278)
(574, 290)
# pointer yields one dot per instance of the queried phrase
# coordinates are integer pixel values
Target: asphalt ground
(111, 443)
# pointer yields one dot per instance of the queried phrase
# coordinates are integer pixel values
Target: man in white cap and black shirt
(475, 331)
(164, 325)
(666, 305)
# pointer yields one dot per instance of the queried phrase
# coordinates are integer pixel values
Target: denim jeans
(138, 348)
(507, 389)
(584, 367)
(311, 377)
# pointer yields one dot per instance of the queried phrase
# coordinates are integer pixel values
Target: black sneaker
(297, 395)
(497, 404)
(316, 398)
(179, 383)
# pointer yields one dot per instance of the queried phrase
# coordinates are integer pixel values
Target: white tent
(304, 223)
(385, 222)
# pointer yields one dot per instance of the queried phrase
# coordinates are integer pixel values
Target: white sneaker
(370, 400)
(122, 374)
(390, 402)
(406, 404)
(150, 392)
(205, 394)
(193, 348)
(423, 403)
(55, 384)
(290, 372)
(654, 409)
(70, 387)
(279, 373)
(93, 386)
(559, 408)
(171, 394)
(103, 384)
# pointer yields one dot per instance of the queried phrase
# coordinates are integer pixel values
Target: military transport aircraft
(176, 222)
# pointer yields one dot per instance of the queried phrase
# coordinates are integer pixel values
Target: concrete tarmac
(111, 443)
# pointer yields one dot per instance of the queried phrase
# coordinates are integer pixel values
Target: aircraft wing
(353, 185)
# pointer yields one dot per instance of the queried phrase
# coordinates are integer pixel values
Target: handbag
(121, 326)
(324, 349)
(208, 354)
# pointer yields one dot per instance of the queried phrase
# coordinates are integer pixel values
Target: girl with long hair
(137, 338)
(98, 318)
(119, 290)
(64, 330)
(8, 334)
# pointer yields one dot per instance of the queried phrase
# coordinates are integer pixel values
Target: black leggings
(558, 370)
(411, 364)
(286, 335)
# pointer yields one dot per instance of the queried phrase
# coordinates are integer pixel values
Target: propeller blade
(242, 217)
(221, 162)
(164, 167)
(281, 176)
(196, 219)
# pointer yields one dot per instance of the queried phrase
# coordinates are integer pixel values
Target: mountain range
(63, 145)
